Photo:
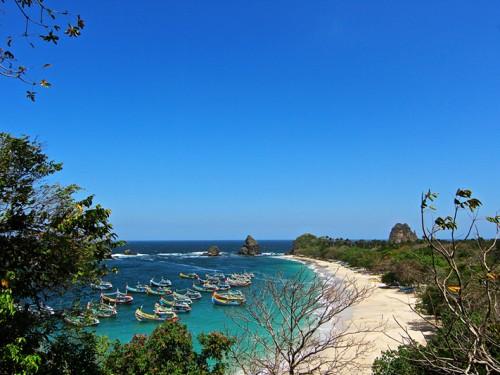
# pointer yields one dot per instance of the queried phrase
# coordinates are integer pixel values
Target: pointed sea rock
(251, 247)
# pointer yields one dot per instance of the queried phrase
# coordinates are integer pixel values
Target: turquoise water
(166, 259)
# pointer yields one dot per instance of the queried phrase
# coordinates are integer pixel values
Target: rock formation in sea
(213, 251)
(401, 233)
(129, 252)
(251, 247)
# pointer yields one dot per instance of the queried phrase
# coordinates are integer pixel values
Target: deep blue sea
(166, 259)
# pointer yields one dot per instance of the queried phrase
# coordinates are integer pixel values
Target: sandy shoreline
(383, 305)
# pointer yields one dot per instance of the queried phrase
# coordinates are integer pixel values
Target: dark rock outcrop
(401, 233)
(251, 247)
(129, 252)
(213, 251)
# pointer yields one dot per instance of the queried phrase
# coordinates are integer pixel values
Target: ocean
(166, 259)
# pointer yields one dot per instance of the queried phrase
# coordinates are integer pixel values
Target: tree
(50, 242)
(75, 352)
(169, 351)
(294, 326)
(39, 22)
(463, 293)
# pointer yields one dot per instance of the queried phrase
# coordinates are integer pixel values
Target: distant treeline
(406, 263)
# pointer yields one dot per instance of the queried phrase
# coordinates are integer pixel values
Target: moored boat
(103, 285)
(102, 310)
(224, 286)
(188, 275)
(176, 306)
(192, 294)
(207, 288)
(227, 300)
(81, 320)
(116, 298)
(167, 311)
(157, 292)
(179, 298)
(407, 289)
(216, 276)
(162, 282)
(139, 288)
(141, 316)
(41, 309)
(238, 282)
(182, 298)
(164, 289)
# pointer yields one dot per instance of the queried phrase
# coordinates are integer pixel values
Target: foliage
(169, 351)
(402, 263)
(462, 292)
(430, 301)
(13, 354)
(38, 22)
(75, 352)
(50, 241)
(397, 362)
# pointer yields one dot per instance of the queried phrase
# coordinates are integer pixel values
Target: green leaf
(464, 193)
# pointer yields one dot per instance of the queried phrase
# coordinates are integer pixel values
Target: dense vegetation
(52, 242)
(404, 263)
(458, 284)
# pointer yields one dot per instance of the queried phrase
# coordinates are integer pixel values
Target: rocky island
(213, 251)
(402, 233)
(250, 247)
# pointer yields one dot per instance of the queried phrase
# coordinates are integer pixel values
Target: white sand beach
(388, 306)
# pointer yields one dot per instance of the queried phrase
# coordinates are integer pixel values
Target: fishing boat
(102, 310)
(182, 298)
(188, 275)
(205, 288)
(139, 288)
(41, 309)
(103, 285)
(165, 289)
(407, 289)
(162, 282)
(167, 311)
(176, 306)
(235, 293)
(227, 300)
(116, 298)
(242, 276)
(192, 294)
(224, 286)
(178, 298)
(157, 292)
(215, 276)
(141, 316)
(238, 282)
(81, 320)
(233, 296)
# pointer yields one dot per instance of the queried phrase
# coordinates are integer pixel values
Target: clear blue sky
(215, 119)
